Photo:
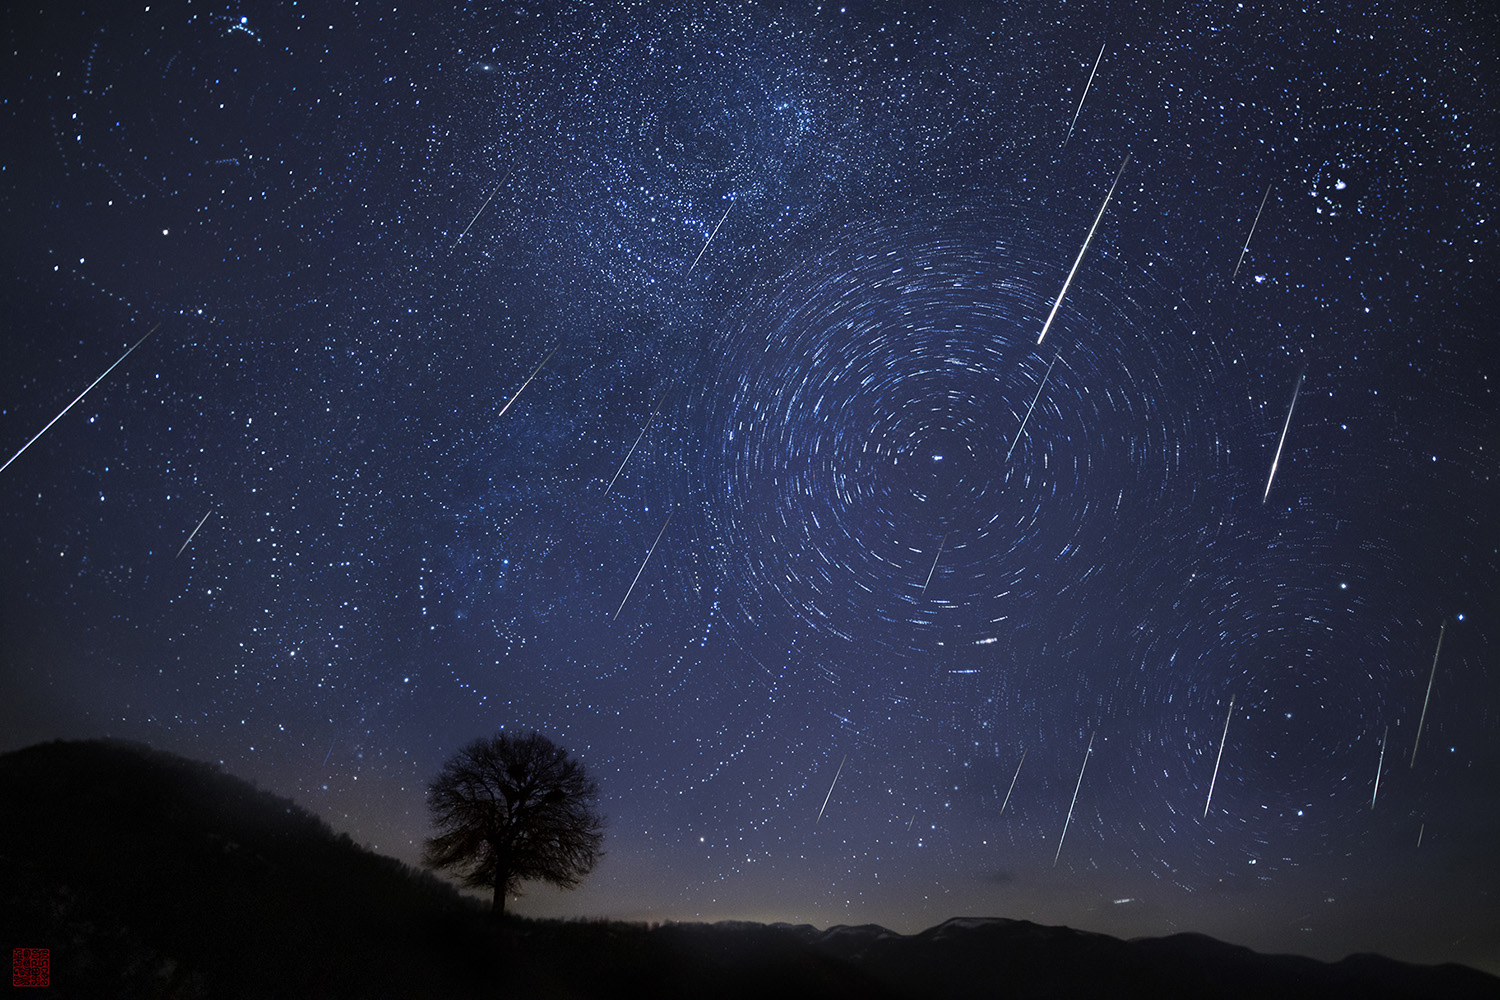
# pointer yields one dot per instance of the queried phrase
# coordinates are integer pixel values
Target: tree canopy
(510, 809)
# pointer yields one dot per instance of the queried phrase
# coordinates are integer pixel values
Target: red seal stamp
(30, 967)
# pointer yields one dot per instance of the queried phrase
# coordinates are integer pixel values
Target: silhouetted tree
(513, 809)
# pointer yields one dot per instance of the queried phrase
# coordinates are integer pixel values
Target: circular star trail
(891, 465)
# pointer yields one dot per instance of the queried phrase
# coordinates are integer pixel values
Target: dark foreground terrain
(147, 875)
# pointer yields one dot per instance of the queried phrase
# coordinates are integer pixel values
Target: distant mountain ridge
(1044, 961)
(150, 875)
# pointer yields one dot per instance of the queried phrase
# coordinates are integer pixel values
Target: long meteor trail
(527, 382)
(1428, 696)
(1064, 836)
(195, 531)
(830, 794)
(934, 564)
(1279, 444)
(710, 239)
(1013, 784)
(1086, 87)
(637, 441)
(1029, 409)
(1246, 247)
(1086, 241)
(85, 392)
(1379, 764)
(1222, 737)
(644, 561)
(483, 207)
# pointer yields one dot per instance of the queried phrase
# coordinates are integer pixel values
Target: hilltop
(150, 875)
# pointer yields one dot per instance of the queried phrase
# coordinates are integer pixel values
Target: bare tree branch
(513, 809)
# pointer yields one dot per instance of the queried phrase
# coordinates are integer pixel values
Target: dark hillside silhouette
(131, 862)
(147, 875)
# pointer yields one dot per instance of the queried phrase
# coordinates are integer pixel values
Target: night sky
(789, 264)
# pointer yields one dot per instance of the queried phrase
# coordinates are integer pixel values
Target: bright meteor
(1277, 460)
(934, 564)
(527, 382)
(830, 794)
(1251, 233)
(85, 392)
(483, 207)
(1013, 784)
(1428, 697)
(1064, 836)
(644, 561)
(1378, 765)
(1086, 87)
(1222, 737)
(1087, 239)
(638, 437)
(1034, 399)
(195, 532)
(710, 239)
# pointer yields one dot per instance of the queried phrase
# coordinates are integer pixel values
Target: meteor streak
(710, 239)
(830, 795)
(934, 564)
(1029, 409)
(528, 381)
(1428, 696)
(1379, 764)
(1251, 233)
(195, 531)
(1222, 737)
(1013, 785)
(1277, 460)
(1087, 239)
(637, 441)
(483, 207)
(85, 392)
(644, 561)
(1085, 94)
(1074, 802)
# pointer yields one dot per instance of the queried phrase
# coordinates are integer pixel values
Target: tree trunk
(497, 905)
